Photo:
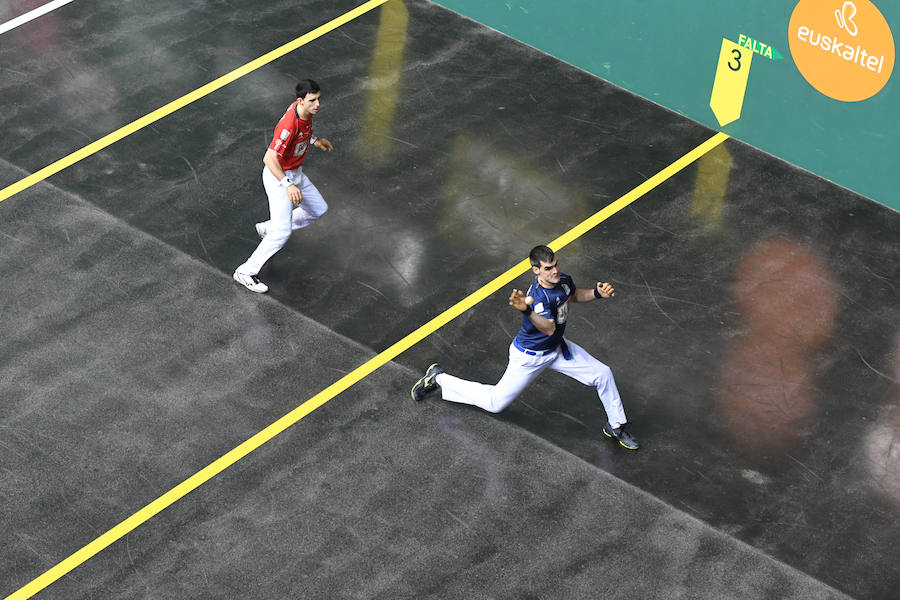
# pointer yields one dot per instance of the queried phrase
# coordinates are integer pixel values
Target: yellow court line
(171, 107)
(350, 379)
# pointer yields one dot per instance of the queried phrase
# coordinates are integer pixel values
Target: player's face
(309, 105)
(547, 273)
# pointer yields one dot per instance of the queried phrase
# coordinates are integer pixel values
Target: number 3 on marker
(737, 59)
(731, 82)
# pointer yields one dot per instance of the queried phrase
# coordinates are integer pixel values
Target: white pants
(283, 216)
(523, 368)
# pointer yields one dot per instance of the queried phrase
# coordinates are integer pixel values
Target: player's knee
(497, 406)
(279, 235)
(602, 375)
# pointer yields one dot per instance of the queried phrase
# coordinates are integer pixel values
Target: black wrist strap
(597, 293)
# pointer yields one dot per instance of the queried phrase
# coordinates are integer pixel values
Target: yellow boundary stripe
(171, 107)
(350, 379)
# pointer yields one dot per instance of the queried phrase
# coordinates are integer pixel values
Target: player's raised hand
(517, 300)
(323, 144)
(605, 290)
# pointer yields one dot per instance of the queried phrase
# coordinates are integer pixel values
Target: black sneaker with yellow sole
(427, 383)
(625, 439)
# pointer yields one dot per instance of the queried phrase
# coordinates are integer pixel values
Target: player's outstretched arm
(601, 290)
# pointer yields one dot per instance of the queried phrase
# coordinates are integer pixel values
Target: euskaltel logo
(843, 48)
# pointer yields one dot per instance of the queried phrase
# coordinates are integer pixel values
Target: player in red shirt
(294, 202)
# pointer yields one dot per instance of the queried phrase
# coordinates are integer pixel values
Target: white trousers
(523, 368)
(284, 217)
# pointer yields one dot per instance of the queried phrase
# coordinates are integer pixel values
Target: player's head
(541, 254)
(308, 93)
(307, 86)
(543, 264)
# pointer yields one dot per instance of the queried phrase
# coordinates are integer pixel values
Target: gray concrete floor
(753, 335)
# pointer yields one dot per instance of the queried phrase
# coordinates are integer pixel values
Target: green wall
(667, 52)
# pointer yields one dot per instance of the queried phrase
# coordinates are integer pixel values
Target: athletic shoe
(261, 230)
(626, 440)
(427, 384)
(251, 282)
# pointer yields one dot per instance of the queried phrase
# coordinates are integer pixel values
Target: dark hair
(541, 254)
(307, 86)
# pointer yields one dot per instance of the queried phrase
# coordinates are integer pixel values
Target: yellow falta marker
(731, 82)
(348, 380)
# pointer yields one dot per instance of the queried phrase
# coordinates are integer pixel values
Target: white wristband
(285, 182)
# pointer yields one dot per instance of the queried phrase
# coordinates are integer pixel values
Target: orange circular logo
(844, 48)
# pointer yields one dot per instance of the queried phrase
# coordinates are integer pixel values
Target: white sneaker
(261, 230)
(251, 282)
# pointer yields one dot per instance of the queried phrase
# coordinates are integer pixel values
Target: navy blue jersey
(551, 304)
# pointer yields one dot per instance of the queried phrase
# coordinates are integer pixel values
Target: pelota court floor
(753, 335)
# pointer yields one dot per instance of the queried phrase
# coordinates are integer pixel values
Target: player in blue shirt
(540, 344)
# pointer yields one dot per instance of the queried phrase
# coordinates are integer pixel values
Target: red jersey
(292, 139)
